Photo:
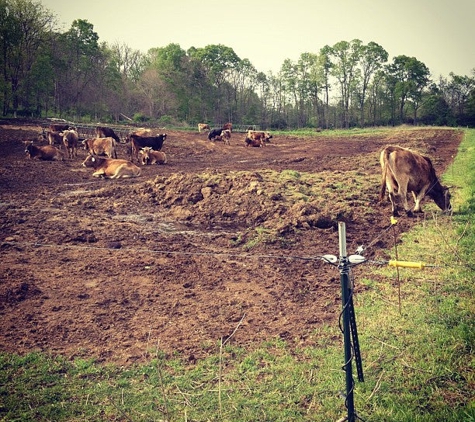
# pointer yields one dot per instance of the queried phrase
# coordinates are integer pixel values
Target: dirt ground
(112, 269)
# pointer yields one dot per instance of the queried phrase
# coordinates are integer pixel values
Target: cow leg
(99, 173)
(407, 208)
(417, 201)
(392, 198)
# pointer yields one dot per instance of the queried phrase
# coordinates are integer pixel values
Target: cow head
(441, 197)
(145, 155)
(447, 197)
(28, 148)
(92, 160)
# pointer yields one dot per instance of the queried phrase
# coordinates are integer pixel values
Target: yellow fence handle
(406, 264)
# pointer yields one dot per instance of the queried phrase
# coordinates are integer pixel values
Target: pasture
(221, 236)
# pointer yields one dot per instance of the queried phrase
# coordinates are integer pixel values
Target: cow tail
(384, 169)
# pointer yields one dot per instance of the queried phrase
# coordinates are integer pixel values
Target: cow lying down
(45, 152)
(149, 156)
(111, 168)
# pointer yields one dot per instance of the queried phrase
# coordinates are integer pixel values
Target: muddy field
(181, 256)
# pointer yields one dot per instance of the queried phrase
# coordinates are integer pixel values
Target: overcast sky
(439, 33)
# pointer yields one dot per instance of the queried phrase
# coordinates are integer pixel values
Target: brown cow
(106, 132)
(228, 126)
(226, 136)
(406, 171)
(139, 142)
(101, 146)
(256, 135)
(55, 138)
(111, 168)
(202, 127)
(149, 156)
(45, 152)
(140, 132)
(70, 141)
(254, 142)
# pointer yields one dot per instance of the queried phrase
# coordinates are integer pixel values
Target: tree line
(73, 75)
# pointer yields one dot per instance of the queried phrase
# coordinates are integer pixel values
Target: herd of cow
(403, 171)
(144, 147)
(253, 138)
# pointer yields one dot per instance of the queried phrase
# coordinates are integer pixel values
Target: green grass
(418, 355)
(365, 132)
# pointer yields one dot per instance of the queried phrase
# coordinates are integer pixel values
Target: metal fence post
(345, 298)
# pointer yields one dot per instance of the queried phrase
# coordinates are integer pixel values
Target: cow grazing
(149, 156)
(256, 135)
(202, 127)
(101, 146)
(45, 152)
(405, 171)
(111, 168)
(70, 141)
(106, 132)
(139, 142)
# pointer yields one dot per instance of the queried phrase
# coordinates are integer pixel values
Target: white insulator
(356, 259)
(332, 259)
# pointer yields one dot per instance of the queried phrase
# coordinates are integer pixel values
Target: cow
(70, 141)
(140, 132)
(101, 146)
(213, 133)
(226, 135)
(45, 152)
(106, 132)
(139, 142)
(54, 138)
(202, 127)
(405, 171)
(256, 135)
(254, 142)
(228, 126)
(111, 168)
(149, 156)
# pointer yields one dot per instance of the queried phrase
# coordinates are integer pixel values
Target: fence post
(345, 298)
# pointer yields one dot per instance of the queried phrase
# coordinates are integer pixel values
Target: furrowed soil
(221, 240)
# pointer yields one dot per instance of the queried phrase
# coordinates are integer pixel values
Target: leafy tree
(435, 110)
(407, 78)
(25, 26)
(457, 90)
(309, 74)
(326, 65)
(373, 56)
(170, 65)
(81, 56)
(217, 61)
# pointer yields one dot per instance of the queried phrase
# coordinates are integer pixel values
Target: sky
(439, 33)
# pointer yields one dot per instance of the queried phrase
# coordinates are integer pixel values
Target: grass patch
(418, 359)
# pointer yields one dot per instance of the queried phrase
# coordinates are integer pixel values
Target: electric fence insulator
(406, 264)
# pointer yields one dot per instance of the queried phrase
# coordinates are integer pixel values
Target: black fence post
(344, 268)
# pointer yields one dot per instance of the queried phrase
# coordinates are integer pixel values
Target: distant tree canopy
(73, 75)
